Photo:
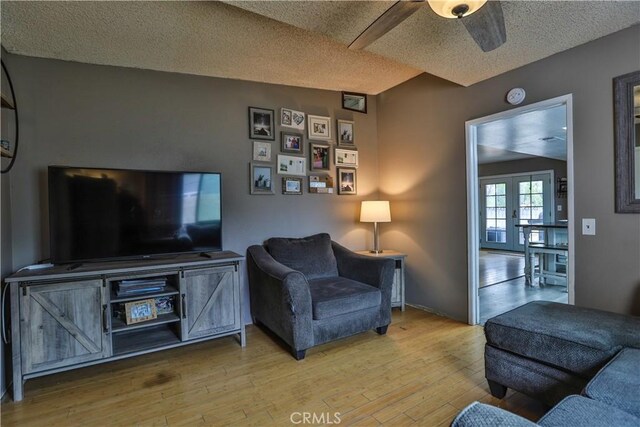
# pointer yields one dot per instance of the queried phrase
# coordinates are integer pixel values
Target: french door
(508, 200)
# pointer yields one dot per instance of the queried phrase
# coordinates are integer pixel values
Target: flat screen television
(99, 214)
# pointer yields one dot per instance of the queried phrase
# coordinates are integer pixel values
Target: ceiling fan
(483, 20)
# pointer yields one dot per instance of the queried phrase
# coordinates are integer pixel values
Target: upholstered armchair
(310, 291)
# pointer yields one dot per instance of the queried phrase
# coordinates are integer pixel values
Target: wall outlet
(589, 226)
(559, 208)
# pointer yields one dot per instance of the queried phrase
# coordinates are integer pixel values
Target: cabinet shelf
(145, 339)
(145, 295)
(118, 325)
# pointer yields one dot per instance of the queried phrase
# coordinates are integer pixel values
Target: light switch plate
(589, 226)
(559, 208)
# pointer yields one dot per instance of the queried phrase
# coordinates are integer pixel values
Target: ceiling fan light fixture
(455, 8)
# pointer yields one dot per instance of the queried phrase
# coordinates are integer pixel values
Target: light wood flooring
(424, 371)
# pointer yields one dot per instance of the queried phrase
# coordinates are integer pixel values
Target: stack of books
(132, 287)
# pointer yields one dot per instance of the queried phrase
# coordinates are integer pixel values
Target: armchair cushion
(312, 256)
(333, 296)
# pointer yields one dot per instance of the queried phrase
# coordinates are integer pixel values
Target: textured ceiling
(299, 43)
(203, 38)
(539, 133)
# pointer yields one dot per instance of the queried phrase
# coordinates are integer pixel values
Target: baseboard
(435, 312)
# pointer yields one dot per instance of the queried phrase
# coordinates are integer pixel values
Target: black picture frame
(354, 101)
(262, 124)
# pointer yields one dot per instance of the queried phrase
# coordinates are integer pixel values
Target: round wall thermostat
(516, 95)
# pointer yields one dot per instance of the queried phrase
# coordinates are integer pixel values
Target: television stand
(85, 310)
(74, 266)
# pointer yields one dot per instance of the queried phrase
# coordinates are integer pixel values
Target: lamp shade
(378, 211)
(445, 8)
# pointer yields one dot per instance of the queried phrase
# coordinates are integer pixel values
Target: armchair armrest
(376, 272)
(280, 298)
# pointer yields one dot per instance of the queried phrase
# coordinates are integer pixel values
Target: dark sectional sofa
(585, 362)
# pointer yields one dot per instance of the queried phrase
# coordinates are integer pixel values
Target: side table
(397, 292)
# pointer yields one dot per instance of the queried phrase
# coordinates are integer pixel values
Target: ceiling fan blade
(397, 13)
(486, 26)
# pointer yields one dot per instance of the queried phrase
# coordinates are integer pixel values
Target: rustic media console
(65, 317)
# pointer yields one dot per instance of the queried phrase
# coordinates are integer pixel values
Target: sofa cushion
(481, 415)
(581, 411)
(333, 296)
(563, 335)
(312, 256)
(618, 383)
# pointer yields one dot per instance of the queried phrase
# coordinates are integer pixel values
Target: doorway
(499, 204)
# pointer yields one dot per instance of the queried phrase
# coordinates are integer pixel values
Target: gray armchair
(311, 291)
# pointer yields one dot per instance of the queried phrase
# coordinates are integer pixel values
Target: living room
(139, 86)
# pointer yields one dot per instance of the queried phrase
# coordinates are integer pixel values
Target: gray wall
(89, 115)
(559, 168)
(6, 260)
(422, 170)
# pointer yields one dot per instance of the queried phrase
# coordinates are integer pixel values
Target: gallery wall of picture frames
(330, 144)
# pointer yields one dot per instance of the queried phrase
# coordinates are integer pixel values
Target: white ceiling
(299, 43)
(540, 133)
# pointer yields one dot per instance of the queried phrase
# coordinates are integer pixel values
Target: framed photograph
(347, 181)
(140, 311)
(321, 184)
(291, 185)
(261, 125)
(261, 151)
(319, 127)
(320, 157)
(347, 158)
(354, 101)
(291, 142)
(292, 118)
(345, 133)
(261, 179)
(291, 165)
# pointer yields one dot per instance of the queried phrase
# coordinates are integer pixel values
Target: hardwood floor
(500, 298)
(497, 267)
(502, 285)
(424, 371)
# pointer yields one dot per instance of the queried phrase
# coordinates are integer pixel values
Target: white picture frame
(346, 158)
(261, 151)
(292, 119)
(291, 165)
(319, 127)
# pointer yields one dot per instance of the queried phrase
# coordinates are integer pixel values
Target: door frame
(552, 198)
(473, 208)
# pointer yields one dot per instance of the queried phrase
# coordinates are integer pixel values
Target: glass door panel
(507, 201)
(495, 221)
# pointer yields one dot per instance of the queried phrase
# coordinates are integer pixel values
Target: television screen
(112, 213)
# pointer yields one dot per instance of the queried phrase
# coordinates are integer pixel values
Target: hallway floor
(502, 285)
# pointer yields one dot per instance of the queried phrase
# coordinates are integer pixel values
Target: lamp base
(376, 252)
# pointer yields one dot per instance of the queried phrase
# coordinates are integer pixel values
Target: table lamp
(375, 212)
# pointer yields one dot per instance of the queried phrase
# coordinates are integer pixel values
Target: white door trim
(473, 226)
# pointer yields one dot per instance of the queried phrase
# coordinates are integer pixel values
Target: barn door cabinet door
(210, 302)
(63, 324)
